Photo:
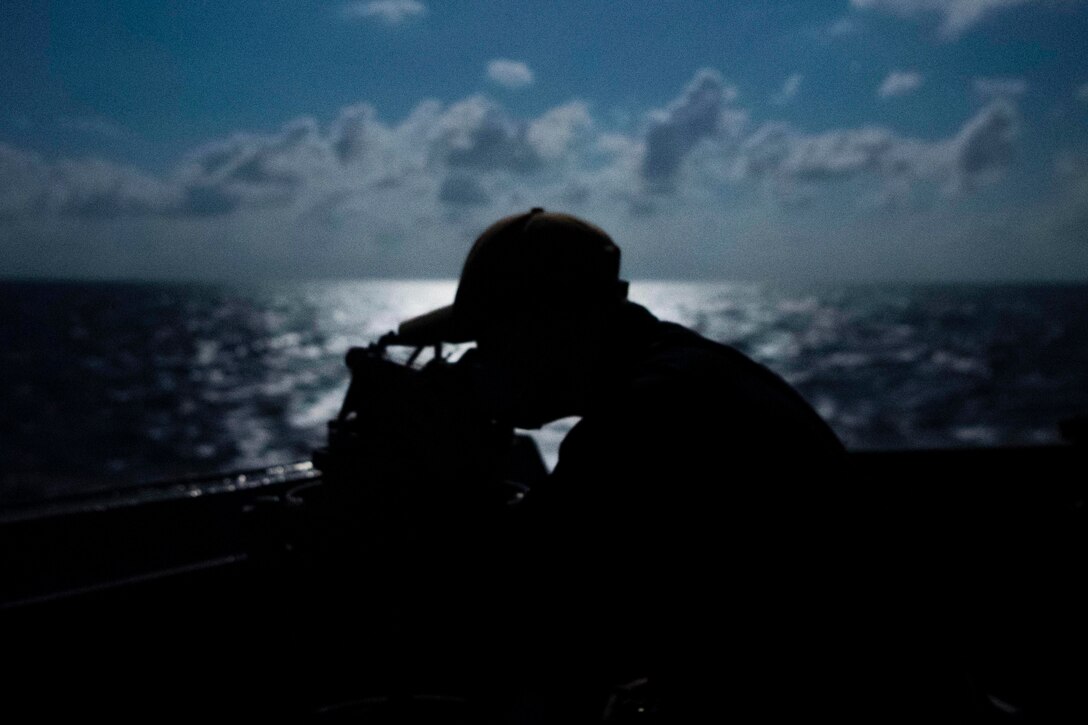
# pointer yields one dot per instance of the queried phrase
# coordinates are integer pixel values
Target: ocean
(117, 383)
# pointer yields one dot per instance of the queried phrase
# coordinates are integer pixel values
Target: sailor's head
(537, 292)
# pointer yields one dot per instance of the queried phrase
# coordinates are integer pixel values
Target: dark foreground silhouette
(943, 585)
(704, 548)
(936, 586)
(613, 559)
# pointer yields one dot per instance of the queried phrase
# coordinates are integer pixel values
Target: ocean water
(107, 384)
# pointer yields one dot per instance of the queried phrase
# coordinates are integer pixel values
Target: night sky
(942, 140)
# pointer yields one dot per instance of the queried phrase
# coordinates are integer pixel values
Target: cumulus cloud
(797, 167)
(789, 90)
(351, 133)
(698, 114)
(954, 16)
(777, 149)
(985, 145)
(790, 160)
(509, 73)
(392, 12)
(255, 170)
(1000, 87)
(474, 152)
(478, 134)
(899, 83)
(448, 153)
(382, 194)
(553, 134)
(463, 190)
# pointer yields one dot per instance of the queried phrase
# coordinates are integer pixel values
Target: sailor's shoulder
(681, 358)
(689, 379)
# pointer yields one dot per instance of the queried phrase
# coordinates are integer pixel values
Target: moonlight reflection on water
(128, 382)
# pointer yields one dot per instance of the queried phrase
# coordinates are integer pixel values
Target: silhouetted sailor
(671, 496)
(540, 294)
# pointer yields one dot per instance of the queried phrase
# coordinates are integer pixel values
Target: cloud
(777, 149)
(99, 188)
(351, 132)
(255, 170)
(789, 90)
(698, 114)
(955, 16)
(1000, 87)
(473, 152)
(789, 160)
(985, 146)
(796, 167)
(553, 134)
(31, 186)
(509, 73)
(392, 12)
(477, 134)
(1082, 92)
(463, 190)
(447, 153)
(397, 198)
(899, 83)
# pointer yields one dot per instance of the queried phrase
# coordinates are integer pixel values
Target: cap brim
(432, 328)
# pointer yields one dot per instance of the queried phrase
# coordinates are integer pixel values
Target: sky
(829, 140)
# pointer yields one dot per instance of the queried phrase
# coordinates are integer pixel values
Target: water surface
(110, 383)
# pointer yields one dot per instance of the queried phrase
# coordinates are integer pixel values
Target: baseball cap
(519, 265)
